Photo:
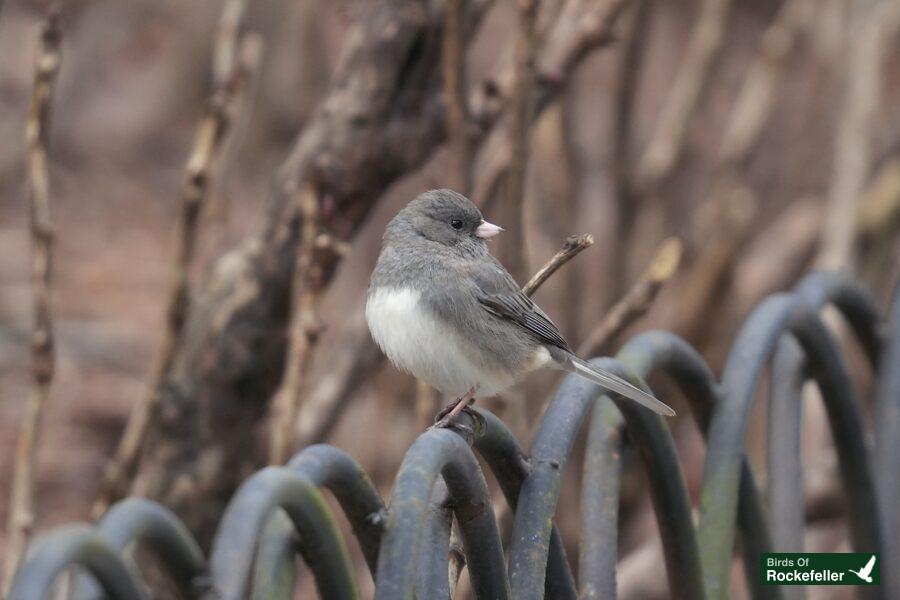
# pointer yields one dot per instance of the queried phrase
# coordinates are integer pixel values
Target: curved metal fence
(280, 512)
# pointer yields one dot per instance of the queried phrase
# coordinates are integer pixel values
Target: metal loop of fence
(320, 541)
(139, 521)
(440, 452)
(280, 513)
(74, 546)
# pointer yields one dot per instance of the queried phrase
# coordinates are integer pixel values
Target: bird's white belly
(417, 342)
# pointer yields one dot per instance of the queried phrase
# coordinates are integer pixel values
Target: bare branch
(637, 301)
(319, 416)
(879, 209)
(574, 244)
(777, 255)
(568, 33)
(730, 211)
(454, 68)
(631, 55)
(627, 202)
(581, 27)
(232, 43)
(873, 23)
(757, 95)
(668, 140)
(228, 41)
(382, 117)
(731, 205)
(304, 330)
(519, 137)
(208, 141)
(37, 130)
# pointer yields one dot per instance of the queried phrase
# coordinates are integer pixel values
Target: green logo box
(820, 568)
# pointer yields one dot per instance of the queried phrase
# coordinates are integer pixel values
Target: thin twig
(878, 220)
(637, 301)
(666, 145)
(776, 256)
(879, 209)
(304, 330)
(731, 205)
(580, 27)
(627, 202)
(37, 128)
(194, 192)
(852, 157)
(629, 67)
(730, 210)
(454, 71)
(333, 393)
(228, 41)
(568, 31)
(519, 136)
(574, 244)
(756, 98)
(218, 206)
(624, 313)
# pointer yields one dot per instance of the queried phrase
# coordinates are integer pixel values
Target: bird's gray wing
(499, 294)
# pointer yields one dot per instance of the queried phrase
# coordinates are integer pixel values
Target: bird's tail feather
(617, 384)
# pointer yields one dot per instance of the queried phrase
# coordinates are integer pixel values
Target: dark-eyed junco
(445, 310)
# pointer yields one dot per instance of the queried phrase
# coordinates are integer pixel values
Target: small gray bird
(445, 310)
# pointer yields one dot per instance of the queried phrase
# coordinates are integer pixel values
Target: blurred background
(763, 134)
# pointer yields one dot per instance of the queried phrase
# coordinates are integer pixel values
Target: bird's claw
(442, 419)
(447, 418)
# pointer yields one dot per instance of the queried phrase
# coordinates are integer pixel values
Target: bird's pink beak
(487, 230)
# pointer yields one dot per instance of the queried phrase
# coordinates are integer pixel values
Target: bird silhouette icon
(866, 572)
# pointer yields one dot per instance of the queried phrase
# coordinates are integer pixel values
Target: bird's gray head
(445, 217)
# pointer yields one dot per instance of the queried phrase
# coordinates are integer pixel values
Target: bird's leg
(454, 408)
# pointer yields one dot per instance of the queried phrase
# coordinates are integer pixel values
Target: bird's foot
(470, 432)
(459, 405)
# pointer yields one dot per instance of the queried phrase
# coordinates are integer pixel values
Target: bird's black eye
(456, 224)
